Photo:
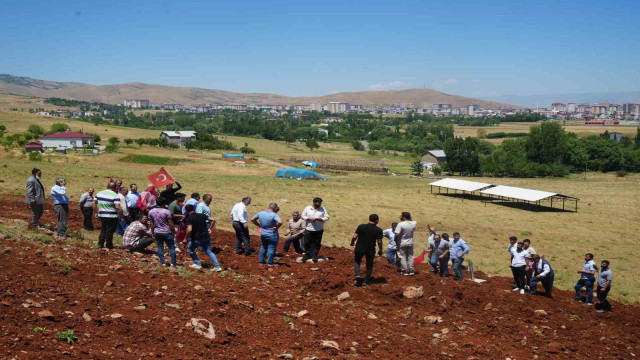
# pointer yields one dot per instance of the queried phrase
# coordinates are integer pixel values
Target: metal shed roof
(519, 193)
(462, 185)
(187, 133)
(438, 153)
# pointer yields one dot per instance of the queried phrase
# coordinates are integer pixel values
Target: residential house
(67, 140)
(433, 158)
(179, 138)
(33, 146)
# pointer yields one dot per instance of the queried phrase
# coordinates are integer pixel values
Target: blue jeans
(391, 257)
(269, 243)
(205, 244)
(444, 262)
(457, 261)
(169, 239)
(588, 283)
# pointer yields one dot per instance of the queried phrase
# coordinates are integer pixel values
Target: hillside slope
(115, 94)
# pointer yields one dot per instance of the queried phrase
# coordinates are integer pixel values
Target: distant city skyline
(477, 49)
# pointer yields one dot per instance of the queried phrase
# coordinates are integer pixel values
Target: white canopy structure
(459, 185)
(512, 193)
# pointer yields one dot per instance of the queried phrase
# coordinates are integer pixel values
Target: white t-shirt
(404, 233)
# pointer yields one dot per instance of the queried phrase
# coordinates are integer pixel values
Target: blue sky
(474, 48)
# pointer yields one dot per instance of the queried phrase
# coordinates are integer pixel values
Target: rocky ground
(125, 306)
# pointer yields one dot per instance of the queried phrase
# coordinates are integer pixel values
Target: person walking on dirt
(605, 276)
(392, 257)
(58, 193)
(513, 241)
(366, 236)
(163, 230)
(404, 243)
(295, 232)
(439, 253)
(106, 207)
(86, 207)
(587, 278)
(315, 216)
(518, 265)
(200, 234)
(458, 250)
(195, 198)
(34, 197)
(240, 223)
(269, 222)
(132, 201)
(138, 236)
(544, 274)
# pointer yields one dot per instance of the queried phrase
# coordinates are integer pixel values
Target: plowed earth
(256, 310)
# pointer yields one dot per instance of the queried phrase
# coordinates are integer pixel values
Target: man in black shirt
(169, 192)
(200, 235)
(366, 235)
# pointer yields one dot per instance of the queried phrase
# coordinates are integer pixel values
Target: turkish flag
(161, 178)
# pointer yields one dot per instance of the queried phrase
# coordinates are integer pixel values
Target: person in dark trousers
(169, 193)
(294, 234)
(86, 207)
(543, 273)
(60, 205)
(106, 207)
(34, 197)
(587, 278)
(518, 265)
(315, 216)
(365, 238)
(439, 253)
(512, 245)
(240, 223)
(605, 276)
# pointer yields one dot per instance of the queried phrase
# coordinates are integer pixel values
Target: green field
(606, 223)
(151, 160)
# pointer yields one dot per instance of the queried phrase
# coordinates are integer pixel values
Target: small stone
(46, 314)
(328, 344)
(157, 293)
(407, 337)
(488, 307)
(343, 296)
(407, 312)
(444, 331)
(141, 307)
(540, 313)
(310, 322)
(433, 319)
(69, 312)
(302, 313)
(109, 283)
(198, 287)
(413, 292)
(203, 327)
(115, 316)
(281, 305)
(314, 269)
(86, 317)
(372, 316)
(285, 356)
(174, 306)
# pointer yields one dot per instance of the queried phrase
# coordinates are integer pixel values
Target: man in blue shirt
(587, 279)
(60, 205)
(132, 201)
(269, 222)
(195, 198)
(458, 250)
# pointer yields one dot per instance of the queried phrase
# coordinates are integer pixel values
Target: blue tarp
(311, 164)
(226, 156)
(299, 174)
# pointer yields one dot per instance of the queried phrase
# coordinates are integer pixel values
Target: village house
(179, 138)
(67, 140)
(433, 158)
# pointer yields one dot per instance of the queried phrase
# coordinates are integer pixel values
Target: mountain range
(157, 94)
(584, 98)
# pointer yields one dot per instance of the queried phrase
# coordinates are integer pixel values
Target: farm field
(606, 223)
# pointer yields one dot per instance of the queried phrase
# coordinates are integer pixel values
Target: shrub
(357, 145)
(35, 156)
(621, 173)
(436, 170)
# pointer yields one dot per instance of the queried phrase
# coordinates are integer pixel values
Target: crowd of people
(166, 219)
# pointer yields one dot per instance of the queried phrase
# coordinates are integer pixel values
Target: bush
(621, 173)
(35, 156)
(357, 145)
(36, 129)
(59, 127)
(436, 170)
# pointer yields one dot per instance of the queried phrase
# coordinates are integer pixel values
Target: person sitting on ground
(439, 250)
(86, 207)
(587, 278)
(518, 265)
(169, 193)
(200, 234)
(605, 277)
(60, 205)
(138, 236)
(269, 222)
(240, 223)
(458, 250)
(543, 273)
(34, 197)
(528, 270)
(390, 234)
(163, 230)
(295, 232)
(366, 236)
(315, 216)
(404, 243)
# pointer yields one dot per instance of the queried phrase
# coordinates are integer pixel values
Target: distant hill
(589, 98)
(115, 94)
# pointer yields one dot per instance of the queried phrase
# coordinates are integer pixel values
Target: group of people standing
(167, 219)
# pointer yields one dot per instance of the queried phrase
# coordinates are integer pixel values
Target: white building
(67, 140)
(338, 107)
(179, 138)
(136, 104)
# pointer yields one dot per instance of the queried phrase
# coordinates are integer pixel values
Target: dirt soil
(124, 306)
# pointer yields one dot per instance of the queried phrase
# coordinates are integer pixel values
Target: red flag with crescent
(161, 178)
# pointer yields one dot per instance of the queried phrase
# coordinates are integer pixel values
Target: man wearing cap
(314, 216)
(34, 196)
(295, 232)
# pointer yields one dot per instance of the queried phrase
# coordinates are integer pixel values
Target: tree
(128, 141)
(637, 140)
(312, 144)
(36, 130)
(289, 137)
(357, 145)
(246, 149)
(546, 143)
(114, 141)
(59, 127)
(3, 128)
(463, 155)
(482, 133)
(417, 168)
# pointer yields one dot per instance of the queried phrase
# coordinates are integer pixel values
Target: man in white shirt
(239, 220)
(125, 219)
(391, 248)
(404, 243)
(518, 264)
(315, 216)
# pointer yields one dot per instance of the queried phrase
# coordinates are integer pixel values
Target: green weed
(66, 336)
